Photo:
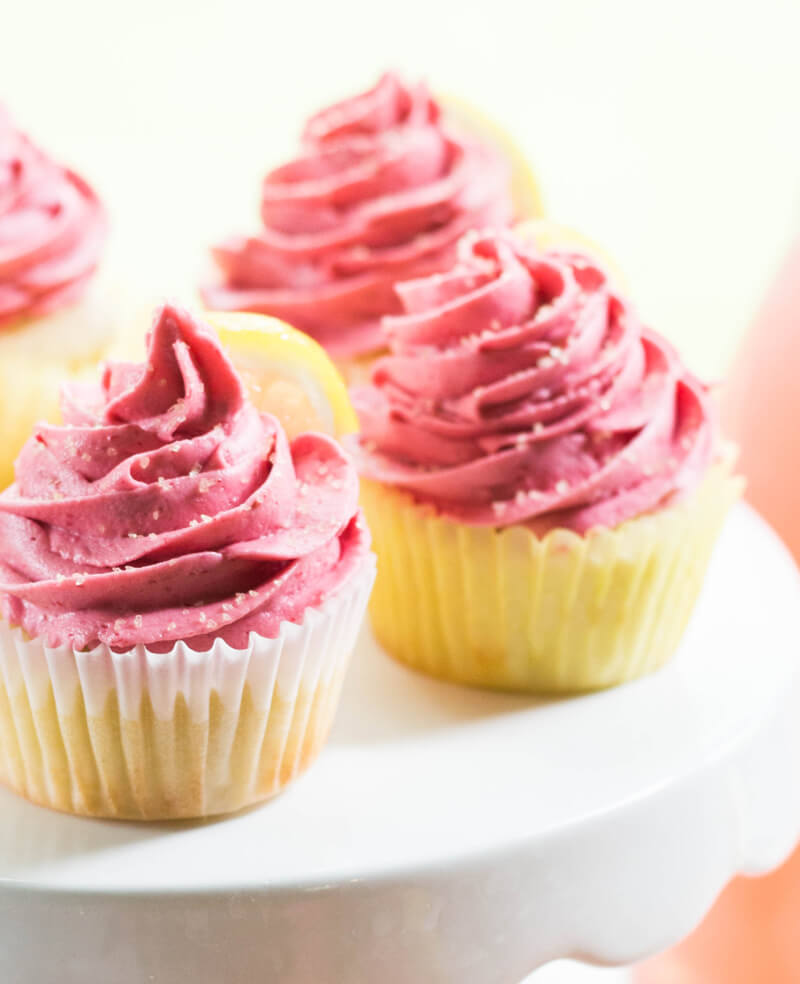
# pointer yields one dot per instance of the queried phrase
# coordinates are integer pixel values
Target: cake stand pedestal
(450, 835)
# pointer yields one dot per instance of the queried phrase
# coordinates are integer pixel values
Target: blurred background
(669, 133)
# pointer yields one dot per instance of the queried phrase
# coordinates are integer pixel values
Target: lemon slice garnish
(287, 373)
(545, 234)
(524, 185)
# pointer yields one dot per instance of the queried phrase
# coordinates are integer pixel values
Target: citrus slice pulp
(287, 373)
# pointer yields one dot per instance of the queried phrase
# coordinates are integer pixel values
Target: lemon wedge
(544, 234)
(524, 185)
(287, 373)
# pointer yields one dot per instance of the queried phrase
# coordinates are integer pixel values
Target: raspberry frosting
(381, 192)
(521, 388)
(168, 508)
(52, 230)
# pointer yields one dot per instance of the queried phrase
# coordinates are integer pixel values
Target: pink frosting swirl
(52, 229)
(521, 388)
(168, 508)
(381, 193)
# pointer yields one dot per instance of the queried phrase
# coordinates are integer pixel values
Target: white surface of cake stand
(450, 835)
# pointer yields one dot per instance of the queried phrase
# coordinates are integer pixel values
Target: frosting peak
(521, 388)
(167, 508)
(381, 192)
(52, 229)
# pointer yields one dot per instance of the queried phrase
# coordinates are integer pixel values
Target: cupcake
(52, 319)
(180, 588)
(382, 189)
(542, 476)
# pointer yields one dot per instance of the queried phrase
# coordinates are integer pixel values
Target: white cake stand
(450, 835)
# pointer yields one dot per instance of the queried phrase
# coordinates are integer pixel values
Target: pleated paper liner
(501, 608)
(138, 735)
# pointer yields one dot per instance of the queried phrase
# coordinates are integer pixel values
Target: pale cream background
(670, 131)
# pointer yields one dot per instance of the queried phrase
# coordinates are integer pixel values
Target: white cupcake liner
(145, 735)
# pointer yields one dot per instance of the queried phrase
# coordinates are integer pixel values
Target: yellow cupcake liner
(28, 394)
(357, 370)
(503, 609)
(37, 357)
(145, 736)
